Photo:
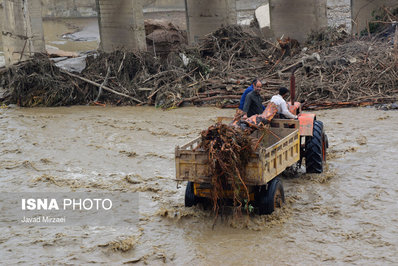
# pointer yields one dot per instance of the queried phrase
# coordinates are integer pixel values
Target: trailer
(279, 148)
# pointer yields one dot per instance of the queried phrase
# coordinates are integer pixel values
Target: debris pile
(383, 23)
(228, 149)
(119, 78)
(39, 82)
(356, 73)
(232, 51)
(337, 71)
(163, 37)
(326, 37)
(232, 41)
(126, 71)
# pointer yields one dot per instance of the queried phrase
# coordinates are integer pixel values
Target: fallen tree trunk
(99, 86)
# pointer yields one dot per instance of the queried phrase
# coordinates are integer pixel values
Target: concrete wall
(339, 13)
(296, 19)
(87, 8)
(244, 8)
(165, 5)
(241, 5)
(251, 5)
(69, 8)
(205, 16)
(121, 25)
(362, 11)
(22, 30)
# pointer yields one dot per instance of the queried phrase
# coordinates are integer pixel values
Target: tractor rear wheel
(315, 149)
(270, 199)
(190, 198)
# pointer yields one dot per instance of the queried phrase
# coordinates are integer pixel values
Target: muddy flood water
(349, 214)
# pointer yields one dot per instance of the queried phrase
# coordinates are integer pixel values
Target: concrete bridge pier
(205, 16)
(121, 24)
(22, 30)
(297, 18)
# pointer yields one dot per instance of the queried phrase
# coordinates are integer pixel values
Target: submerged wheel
(190, 198)
(315, 149)
(272, 198)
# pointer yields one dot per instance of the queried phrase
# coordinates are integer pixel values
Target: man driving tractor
(280, 103)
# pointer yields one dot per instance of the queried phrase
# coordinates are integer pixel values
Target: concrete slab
(263, 17)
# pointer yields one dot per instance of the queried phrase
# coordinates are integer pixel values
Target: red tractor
(314, 141)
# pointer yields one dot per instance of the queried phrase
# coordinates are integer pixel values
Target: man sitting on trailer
(253, 102)
(280, 102)
(256, 82)
(239, 112)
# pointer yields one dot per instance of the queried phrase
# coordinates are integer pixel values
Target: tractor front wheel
(315, 149)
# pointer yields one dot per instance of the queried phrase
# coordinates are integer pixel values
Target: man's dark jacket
(253, 104)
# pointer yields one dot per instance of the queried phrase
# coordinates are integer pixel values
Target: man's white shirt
(282, 106)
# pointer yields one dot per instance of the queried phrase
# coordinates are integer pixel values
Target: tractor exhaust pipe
(292, 88)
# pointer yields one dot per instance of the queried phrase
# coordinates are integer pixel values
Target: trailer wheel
(315, 149)
(272, 198)
(190, 198)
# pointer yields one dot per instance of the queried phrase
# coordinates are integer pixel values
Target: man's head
(283, 91)
(257, 85)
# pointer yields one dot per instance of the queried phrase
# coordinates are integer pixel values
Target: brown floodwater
(349, 214)
(71, 34)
